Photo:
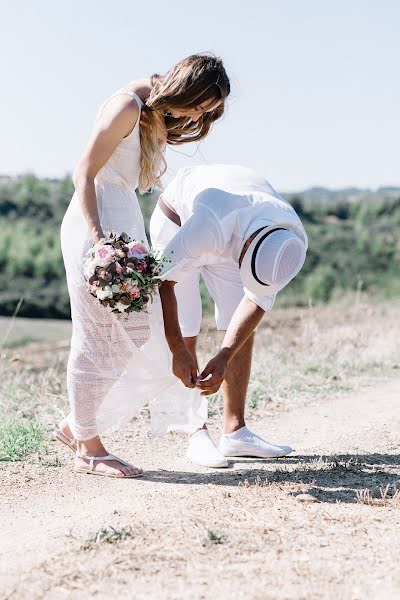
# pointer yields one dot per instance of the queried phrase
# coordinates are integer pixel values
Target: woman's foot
(64, 435)
(64, 427)
(84, 461)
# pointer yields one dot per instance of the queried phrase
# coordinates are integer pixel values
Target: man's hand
(213, 375)
(184, 367)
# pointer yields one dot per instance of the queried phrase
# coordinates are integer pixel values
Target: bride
(118, 363)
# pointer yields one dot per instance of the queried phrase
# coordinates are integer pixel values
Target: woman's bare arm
(116, 122)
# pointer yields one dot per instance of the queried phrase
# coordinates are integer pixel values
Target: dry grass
(317, 525)
(107, 535)
(301, 356)
(381, 497)
(312, 353)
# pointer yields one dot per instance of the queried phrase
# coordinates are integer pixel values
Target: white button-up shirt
(220, 207)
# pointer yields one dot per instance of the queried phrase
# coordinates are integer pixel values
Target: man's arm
(244, 321)
(196, 237)
(183, 364)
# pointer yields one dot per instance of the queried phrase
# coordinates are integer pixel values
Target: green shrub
(20, 437)
(321, 283)
(350, 240)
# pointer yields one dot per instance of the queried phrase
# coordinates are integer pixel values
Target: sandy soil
(321, 524)
(286, 529)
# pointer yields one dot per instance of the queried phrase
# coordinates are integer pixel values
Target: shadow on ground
(332, 478)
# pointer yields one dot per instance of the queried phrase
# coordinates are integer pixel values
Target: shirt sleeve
(199, 236)
(264, 302)
(169, 194)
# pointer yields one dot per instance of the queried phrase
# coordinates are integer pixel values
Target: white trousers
(222, 281)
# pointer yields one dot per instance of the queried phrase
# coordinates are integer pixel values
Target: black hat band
(253, 258)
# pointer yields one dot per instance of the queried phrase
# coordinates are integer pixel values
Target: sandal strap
(61, 434)
(91, 459)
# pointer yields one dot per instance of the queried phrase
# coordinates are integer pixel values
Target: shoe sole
(213, 466)
(255, 455)
(86, 472)
(208, 465)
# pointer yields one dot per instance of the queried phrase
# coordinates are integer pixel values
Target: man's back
(223, 201)
(189, 182)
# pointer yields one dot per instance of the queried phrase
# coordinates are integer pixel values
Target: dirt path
(240, 532)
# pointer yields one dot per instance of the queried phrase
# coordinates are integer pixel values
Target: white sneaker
(244, 442)
(202, 451)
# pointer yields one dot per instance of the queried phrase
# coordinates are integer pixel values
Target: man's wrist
(226, 354)
(176, 345)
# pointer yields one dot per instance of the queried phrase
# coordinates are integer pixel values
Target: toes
(124, 471)
(115, 468)
(135, 471)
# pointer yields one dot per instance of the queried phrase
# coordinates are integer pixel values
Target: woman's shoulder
(126, 101)
(119, 106)
(140, 87)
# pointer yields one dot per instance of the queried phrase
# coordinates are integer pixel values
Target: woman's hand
(98, 236)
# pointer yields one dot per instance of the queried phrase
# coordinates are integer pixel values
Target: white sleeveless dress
(118, 363)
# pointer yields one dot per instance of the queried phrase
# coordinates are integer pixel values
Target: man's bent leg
(226, 288)
(235, 386)
(237, 439)
(202, 450)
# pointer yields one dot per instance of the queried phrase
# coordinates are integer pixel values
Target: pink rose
(104, 255)
(105, 251)
(134, 292)
(118, 268)
(137, 250)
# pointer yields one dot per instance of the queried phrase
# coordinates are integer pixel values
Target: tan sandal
(61, 437)
(90, 468)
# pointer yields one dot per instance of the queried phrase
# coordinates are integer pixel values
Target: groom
(227, 224)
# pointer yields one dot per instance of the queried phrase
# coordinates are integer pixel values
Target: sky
(315, 83)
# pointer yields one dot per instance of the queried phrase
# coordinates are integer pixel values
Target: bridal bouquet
(122, 273)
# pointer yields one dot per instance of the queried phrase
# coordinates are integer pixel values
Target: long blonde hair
(195, 79)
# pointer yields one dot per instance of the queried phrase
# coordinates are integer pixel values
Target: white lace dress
(118, 363)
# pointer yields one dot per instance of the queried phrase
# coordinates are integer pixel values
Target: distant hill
(321, 195)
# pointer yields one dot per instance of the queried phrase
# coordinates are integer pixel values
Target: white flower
(89, 266)
(121, 307)
(102, 294)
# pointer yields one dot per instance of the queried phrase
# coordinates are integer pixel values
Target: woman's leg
(100, 350)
